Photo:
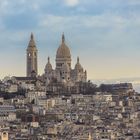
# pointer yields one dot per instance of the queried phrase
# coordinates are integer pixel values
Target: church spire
(32, 57)
(32, 36)
(78, 59)
(63, 38)
(32, 42)
(48, 66)
(48, 59)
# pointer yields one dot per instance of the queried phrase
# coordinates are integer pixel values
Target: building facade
(63, 71)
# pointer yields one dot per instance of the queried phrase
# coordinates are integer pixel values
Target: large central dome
(63, 50)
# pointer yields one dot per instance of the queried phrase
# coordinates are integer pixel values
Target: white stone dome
(48, 66)
(63, 51)
(78, 66)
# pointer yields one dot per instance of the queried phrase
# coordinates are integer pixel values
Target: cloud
(103, 21)
(133, 2)
(71, 2)
(107, 28)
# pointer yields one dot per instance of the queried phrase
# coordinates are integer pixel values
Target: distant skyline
(105, 34)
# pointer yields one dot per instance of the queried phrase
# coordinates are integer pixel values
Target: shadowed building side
(32, 69)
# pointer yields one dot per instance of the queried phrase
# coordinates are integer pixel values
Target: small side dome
(48, 66)
(63, 50)
(78, 65)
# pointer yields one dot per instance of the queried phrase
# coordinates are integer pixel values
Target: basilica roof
(63, 50)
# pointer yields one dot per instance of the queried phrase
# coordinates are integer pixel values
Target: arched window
(29, 54)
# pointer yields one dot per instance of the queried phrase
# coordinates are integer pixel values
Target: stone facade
(63, 72)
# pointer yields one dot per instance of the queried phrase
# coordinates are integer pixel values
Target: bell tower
(31, 58)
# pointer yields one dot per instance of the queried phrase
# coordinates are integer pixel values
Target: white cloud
(71, 2)
(133, 2)
(101, 21)
(108, 30)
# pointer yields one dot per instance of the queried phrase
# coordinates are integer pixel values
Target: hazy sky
(105, 34)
